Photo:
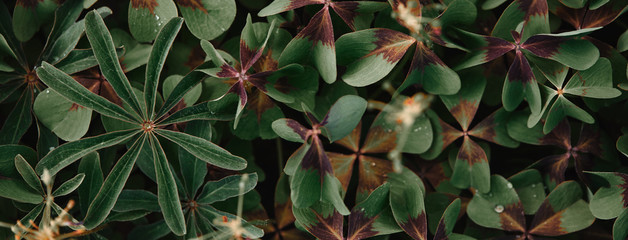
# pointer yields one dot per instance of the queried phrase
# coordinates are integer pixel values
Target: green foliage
(367, 119)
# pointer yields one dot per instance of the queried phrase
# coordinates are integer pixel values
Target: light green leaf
(69, 186)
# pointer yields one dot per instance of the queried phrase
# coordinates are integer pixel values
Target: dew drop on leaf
(509, 185)
(499, 209)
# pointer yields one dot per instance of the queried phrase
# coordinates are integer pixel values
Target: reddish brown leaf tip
(319, 29)
(387, 44)
(512, 218)
(150, 4)
(194, 4)
(28, 3)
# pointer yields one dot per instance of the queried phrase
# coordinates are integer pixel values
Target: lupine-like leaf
(225, 188)
(204, 150)
(28, 173)
(104, 50)
(66, 154)
(18, 121)
(112, 186)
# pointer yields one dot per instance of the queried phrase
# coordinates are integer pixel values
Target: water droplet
(51, 148)
(499, 209)
(509, 185)
(372, 164)
(47, 91)
(490, 194)
(477, 191)
(156, 17)
(534, 196)
(533, 185)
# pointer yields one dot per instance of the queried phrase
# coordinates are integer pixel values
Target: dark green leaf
(28, 174)
(69, 186)
(132, 200)
(225, 188)
(18, 121)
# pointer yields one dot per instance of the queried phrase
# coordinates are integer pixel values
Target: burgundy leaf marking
(347, 11)
(316, 158)
(464, 112)
(150, 4)
(624, 186)
(440, 233)
(260, 103)
(294, 4)
(93, 80)
(533, 8)
(520, 70)
(194, 4)
(28, 3)
(195, 58)
(449, 134)
(327, 228)
(543, 45)
(379, 140)
(343, 167)
(392, 45)
(471, 152)
(373, 173)
(423, 57)
(547, 221)
(298, 128)
(486, 129)
(416, 227)
(319, 29)
(352, 141)
(360, 226)
(560, 136)
(239, 89)
(589, 141)
(496, 47)
(587, 18)
(556, 166)
(512, 218)
(227, 72)
(248, 56)
(259, 80)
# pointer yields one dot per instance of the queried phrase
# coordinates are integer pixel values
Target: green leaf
(214, 214)
(344, 116)
(223, 189)
(8, 35)
(19, 191)
(372, 217)
(208, 19)
(75, 92)
(104, 50)
(290, 130)
(67, 153)
(28, 173)
(622, 42)
(186, 84)
(430, 72)
(167, 194)
(448, 220)
(80, 59)
(529, 186)
(194, 170)
(562, 108)
(18, 121)
(172, 81)
(221, 109)
(66, 119)
(65, 32)
(204, 150)
(146, 17)
(594, 82)
(471, 168)
(608, 202)
(500, 208)
(111, 188)
(7, 158)
(69, 186)
(28, 17)
(406, 201)
(620, 228)
(90, 166)
(371, 54)
(156, 60)
(562, 212)
(321, 220)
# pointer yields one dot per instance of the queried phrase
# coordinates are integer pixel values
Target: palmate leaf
(430, 72)
(146, 17)
(156, 60)
(104, 50)
(321, 220)
(108, 194)
(377, 51)
(592, 16)
(562, 212)
(90, 166)
(500, 208)
(194, 170)
(8, 35)
(19, 191)
(69, 186)
(63, 37)
(133, 200)
(611, 200)
(28, 173)
(533, 14)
